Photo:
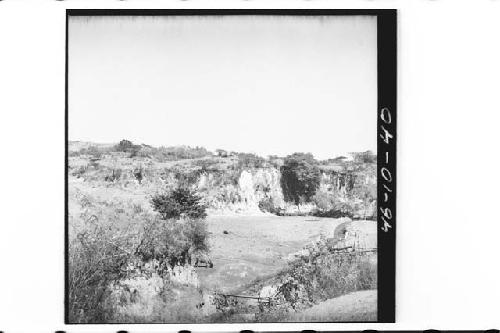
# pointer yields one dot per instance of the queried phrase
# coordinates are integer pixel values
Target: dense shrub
(269, 205)
(173, 241)
(180, 152)
(250, 161)
(222, 153)
(337, 210)
(181, 202)
(300, 177)
(324, 201)
(124, 146)
(172, 304)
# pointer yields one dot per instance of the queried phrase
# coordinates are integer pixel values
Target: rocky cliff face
(228, 188)
(244, 193)
(252, 187)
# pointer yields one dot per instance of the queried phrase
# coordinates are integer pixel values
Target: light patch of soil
(354, 307)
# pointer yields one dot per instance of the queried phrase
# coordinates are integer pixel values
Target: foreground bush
(172, 304)
(99, 247)
(172, 241)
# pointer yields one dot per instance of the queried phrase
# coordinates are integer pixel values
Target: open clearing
(256, 246)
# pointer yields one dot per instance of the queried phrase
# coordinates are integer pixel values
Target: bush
(338, 210)
(267, 204)
(124, 146)
(172, 303)
(173, 241)
(222, 153)
(181, 202)
(250, 161)
(180, 152)
(96, 256)
(324, 201)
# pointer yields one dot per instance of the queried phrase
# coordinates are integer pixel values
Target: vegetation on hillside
(338, 187)
(108, 237)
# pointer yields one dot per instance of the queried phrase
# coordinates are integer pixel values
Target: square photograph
(229, 166)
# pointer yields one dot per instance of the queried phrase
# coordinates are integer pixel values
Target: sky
(269, 85)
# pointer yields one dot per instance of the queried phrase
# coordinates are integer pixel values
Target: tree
(127, 146)
(124, 146)
(181, 202)
(300, 177)
(221, 153)
(179, 232)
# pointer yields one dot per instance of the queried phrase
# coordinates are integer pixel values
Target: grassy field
(256, 246)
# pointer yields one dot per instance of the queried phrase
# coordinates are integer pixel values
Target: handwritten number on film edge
(385, 173)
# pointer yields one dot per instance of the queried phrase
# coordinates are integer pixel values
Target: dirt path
(356, 306)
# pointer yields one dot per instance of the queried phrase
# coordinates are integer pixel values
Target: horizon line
(227, 150)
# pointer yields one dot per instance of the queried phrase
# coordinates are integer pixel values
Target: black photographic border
(386, 134)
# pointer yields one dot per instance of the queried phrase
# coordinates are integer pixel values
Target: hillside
(264, 223)
(229, 182)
